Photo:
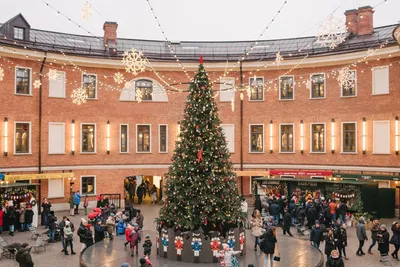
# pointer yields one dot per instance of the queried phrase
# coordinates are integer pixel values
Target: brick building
(297, 120)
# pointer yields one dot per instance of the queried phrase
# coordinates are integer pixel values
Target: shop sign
(366, 177)
(10, 189)
(271, 182)
(38, 176)
(301, 173)
(307, 183)
(1, 176)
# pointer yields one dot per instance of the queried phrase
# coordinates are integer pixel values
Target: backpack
(263, 244)
(235, 262)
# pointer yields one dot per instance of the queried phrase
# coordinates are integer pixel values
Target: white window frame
(127, 138)
(341, 138)
(65, 85)
(356, 87)
(48, 143)
(166, 139)
(263, 138)
(317, 98)
(30, 138)
(311, 138)
(228, 124)
(23, 33)
(294, 87)
(280, 138)
(95, 137)
(63, 188)
(96, 87)
(373, 137)
(95, 185)
(15, 81)
(263, 90)
(373, 79)
(136, 139)
(222, 81)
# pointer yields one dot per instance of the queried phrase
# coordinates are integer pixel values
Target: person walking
(256, 228)
(153, 193)
(85, 203)
(267, 245)
(341, 242)
(135, 240)
(12, 219)
(287, 219)
(28, 217)
(51, 220)
(71, 205)
(46, 207)
(77, 201)
(383, 242)
(111, 226)
(342, 209)
(334, 260)
(361, 236)
(69, 238)
(98, 232)
(147, 244)
(23, 256)
(329, 244)
(21, 213)
(316, 235)
(332, 210)
(139, 192)
(274, 211)
(374, 234)
(395, 240)
(139, 219)
(85, 235)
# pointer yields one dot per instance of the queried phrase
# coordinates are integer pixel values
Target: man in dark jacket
(12, 219)
(287, 218)
(383, 243)
(341, 241)
(23, 256)
(274, 211)
(312, 216)
(98, 232)
(139, 219)
(51, 220)
(342, 209)
(139, 191)
(316, 235)
(28, 217)
(361, 235)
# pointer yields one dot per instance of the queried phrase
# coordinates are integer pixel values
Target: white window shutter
(380, 80)
(229, 131)
(381, 137)
(56, 188)
(57, 87)
(227, 90)
(56, 138)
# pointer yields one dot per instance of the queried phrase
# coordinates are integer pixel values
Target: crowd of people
(19, 218)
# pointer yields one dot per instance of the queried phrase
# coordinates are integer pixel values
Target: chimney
(361, 21)
(110, 37)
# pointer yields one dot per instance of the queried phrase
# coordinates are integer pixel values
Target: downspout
(40, 127)
(241, 129)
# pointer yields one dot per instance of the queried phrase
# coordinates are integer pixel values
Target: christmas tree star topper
(201, 59)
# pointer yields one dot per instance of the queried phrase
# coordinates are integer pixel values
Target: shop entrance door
(386, 202)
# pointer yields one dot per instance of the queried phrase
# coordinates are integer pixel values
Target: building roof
(92, 46)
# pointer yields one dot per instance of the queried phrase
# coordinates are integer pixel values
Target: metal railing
(113, 199)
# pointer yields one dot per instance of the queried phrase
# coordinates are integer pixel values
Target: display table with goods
(201, 208)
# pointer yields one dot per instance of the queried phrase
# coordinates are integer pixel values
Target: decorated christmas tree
(201, 188)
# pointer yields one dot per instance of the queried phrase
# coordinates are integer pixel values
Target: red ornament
(201, 59)
(205, 221)
(210, 181)
(197, 126)
(225, 180)
(222, 197)
(199, 155)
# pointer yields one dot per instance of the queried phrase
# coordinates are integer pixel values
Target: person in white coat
(227, 255)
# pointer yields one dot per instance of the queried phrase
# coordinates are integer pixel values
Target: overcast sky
(194, 19)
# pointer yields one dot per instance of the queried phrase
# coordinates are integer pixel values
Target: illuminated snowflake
(139, 95)
(86, 11)
(134, 61)
(127, 85)
(37, 84)
(119, 77)
(331, 33)
(1, 74)
(346, 78)
(278, 59)
(79, 96)
(52, 74)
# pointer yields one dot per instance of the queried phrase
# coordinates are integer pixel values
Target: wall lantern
(5, 136)
(301, 136)
(364, 136)
(397, 135)
(333, 135)
(73, 137)
(108, 137)
(270, 137)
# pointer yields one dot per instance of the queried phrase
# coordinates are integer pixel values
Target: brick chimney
(110, 37)
(360, 21)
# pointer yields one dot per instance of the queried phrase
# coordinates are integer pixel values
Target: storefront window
(143, 138)
(349, 137)
(257, 88)
(22, 141)
(286, 138)
(318, 138)
(318, 86)
(89, 85)
(88, 138)
(146, 87)
(124, 138)
(88, 185)
(257, 138)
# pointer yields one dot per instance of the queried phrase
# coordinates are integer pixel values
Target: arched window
(146, 86)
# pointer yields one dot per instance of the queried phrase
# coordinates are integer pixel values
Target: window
(55, 188)
(286, 138)
(349, 137)
(350, 90)
(381, 143)
(22, 137)
(256, 138)
(124, 141)
(318, 86)
(146, 88)
(88, 185)
(88, 138)
(23, 81)
(227, 89)
(19, 33)
(318, 137)
(57, 86)
(380, 80)
(229, 131)
(257, 88)
(56, 138)
(143, 138)
(286, 88)
(163, 135)
(90, 85)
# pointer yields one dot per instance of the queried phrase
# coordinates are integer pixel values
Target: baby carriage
(93, 216)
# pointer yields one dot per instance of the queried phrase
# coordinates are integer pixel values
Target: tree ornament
(199, 155)
(278, 58)
(79, 96)
(331, 33)
(37, 84)
(134, 61)
(119, 78)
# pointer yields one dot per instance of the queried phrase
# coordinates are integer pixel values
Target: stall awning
(301, 172)
(38, 176)
(366, 176)
(252, 173)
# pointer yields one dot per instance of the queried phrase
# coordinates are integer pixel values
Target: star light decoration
(1, 74)
(79, 96)
(52, 74)
(278, 58)
(119, 77)
(331, 33)
(134, 61)
(37, 84)
(346, 78)
(86, 11)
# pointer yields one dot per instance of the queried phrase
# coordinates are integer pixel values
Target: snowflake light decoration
(134, 61)
(278, 59)
(86, 11)
(79, 96)
(139, 95)
(127, 85)
(1, 74)
(52, 74)
(346, 78)
(331, 33)
(37, 84)
(118, 77)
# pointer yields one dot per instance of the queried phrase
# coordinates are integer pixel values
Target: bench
(40, 243)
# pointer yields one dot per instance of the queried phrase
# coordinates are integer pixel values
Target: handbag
(277, 258)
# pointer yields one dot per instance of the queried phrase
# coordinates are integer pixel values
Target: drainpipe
(241, 129)
(40, 128)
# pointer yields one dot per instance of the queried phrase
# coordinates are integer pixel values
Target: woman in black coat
(12, 219)
(383, 242)
(329, 243)
(267, 245)
(395, 240)
(98, 232)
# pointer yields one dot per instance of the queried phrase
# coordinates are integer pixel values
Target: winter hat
(112, 214)
(83, 221)
(142, 261)
(335, 254)
(225, 246)
(88, 226)
(67, 223)
(125, 265)
(316, 222)
(147, 237)
(383, 226)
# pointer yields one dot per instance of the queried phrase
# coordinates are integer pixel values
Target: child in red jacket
(135, 240)
(128, 232)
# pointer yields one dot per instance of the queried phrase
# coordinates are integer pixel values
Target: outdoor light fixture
(108, 137)
(333, 135)
(397, 135)
(5, 136)
(73, 137)
(270, 137)
(179, 130)
(301, 137)
(364, 136)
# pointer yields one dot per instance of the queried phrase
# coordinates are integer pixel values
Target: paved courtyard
(294, 252)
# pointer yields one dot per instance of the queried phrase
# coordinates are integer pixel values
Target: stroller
(93, 216)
